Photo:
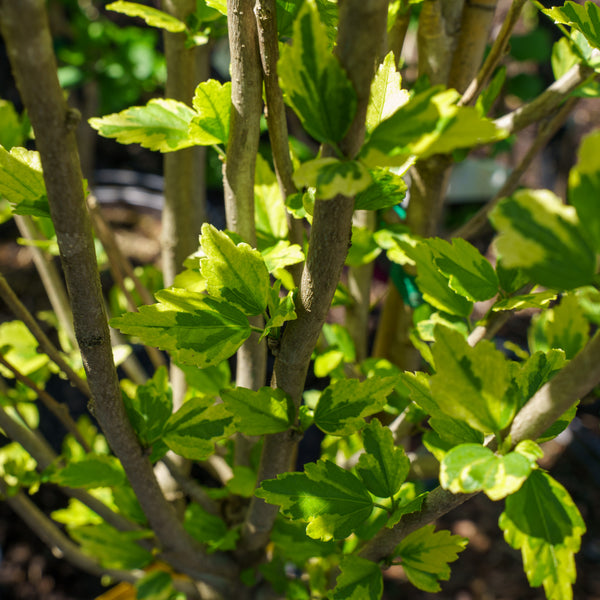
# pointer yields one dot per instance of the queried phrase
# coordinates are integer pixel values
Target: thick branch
(439, 25)
(29, 44)
(475, 27)
(238, 174)
(360, 34)
(547, 102)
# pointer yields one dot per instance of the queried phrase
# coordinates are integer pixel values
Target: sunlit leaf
(313, 82)
(196, 330)
(358, 579)
(160, 125)
(543, 522)
(544, 238)
(152, 16)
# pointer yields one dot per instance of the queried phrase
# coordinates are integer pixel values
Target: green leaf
(193, 430)
(471, 383)
(12, 130)
(386, 190)
(22, 182)
(358, 579)
(563, 327)
(429, 123)
(18, 468)
(446, 433)
(425, 555)
(384, 467)
(195, 329)
(343, 405)
(584, 187)
(387, 95)
(585, 19)
(281, 255)
(212, 101)
(243, 481)
(235, 274)
(220, 5)
(114, 549)
(20, 348)
(537, 300)
(544, 238)
(434, 285)
(269, 208)
(543, 522)
(331, 500)
(155, 585)
(207, 382)
(538, 369)
(160, 125)
(363, 248)
(152, 405)
(331, 176)
(471, 467)
(469, 273)
(314, 83)
(209, 529)
(95, 470)
(152, 16)
(293, 544)
(281, 310)
(259, 412)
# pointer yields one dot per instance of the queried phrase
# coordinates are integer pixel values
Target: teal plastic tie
(405, 284)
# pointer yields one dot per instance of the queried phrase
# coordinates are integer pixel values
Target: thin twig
(50, 278)
(21, 312)
(548, 101)
(497, 52)
(268, 42)
(190, 487)
(60, 411)
(544, 135)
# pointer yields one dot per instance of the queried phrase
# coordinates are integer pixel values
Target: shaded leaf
(93, 471)
(209, 529)
(384, 467)
(331, 500)
(193, 430)
(425, 555)
(195, 329)
(267, 410)
(114, 549)
(358, 579)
